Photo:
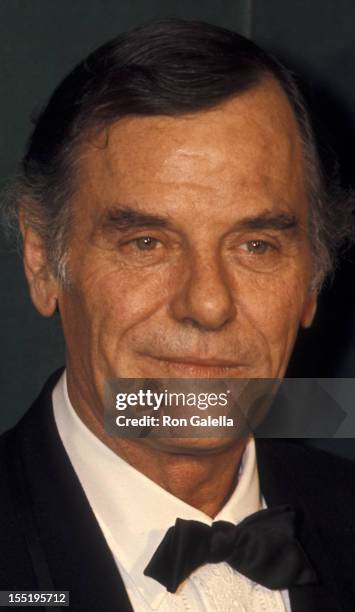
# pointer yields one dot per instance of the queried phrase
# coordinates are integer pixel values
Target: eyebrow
(269, 220)
(123, 218)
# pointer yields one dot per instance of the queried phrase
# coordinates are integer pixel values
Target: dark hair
(170, 67)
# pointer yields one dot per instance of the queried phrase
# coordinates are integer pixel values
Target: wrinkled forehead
(250, 141)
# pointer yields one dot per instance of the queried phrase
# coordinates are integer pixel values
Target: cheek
(274, 307)
(111, 301)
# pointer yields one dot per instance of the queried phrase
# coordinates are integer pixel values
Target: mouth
(197, 367)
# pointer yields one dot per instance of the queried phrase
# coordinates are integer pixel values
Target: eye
(256, 247)
(143, 250)
(145, 243)
(261, 255)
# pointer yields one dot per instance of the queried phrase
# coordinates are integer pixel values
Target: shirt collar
(134, 512)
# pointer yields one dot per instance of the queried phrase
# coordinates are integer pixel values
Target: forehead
(248, 145)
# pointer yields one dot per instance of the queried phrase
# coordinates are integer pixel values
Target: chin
(193, 446)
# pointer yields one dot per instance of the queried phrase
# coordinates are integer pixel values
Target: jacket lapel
(283, 480)
(76, 552)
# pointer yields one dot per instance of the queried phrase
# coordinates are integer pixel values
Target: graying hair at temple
(170, 67)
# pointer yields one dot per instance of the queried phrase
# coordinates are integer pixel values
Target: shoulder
(325, 481)
(296, 457)
(22, 444)
(296, 453)
(15, 565)
(321, 485)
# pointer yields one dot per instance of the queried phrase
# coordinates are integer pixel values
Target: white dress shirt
(134, 514)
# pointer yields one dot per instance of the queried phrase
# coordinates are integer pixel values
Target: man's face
(189, 254)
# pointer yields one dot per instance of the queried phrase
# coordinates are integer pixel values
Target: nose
(204, 297)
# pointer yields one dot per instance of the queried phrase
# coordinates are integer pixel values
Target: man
(173, 210)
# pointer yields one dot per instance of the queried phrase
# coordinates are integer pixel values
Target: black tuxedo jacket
(50, 539)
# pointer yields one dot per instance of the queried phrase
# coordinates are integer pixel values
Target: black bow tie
(263, 547)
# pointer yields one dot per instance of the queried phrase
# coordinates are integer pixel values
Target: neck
(202, 480)
(202, 473)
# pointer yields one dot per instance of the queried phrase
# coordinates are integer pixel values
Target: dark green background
(41, 40)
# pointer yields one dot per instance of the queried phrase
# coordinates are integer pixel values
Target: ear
(309, 310)
(42, 283)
